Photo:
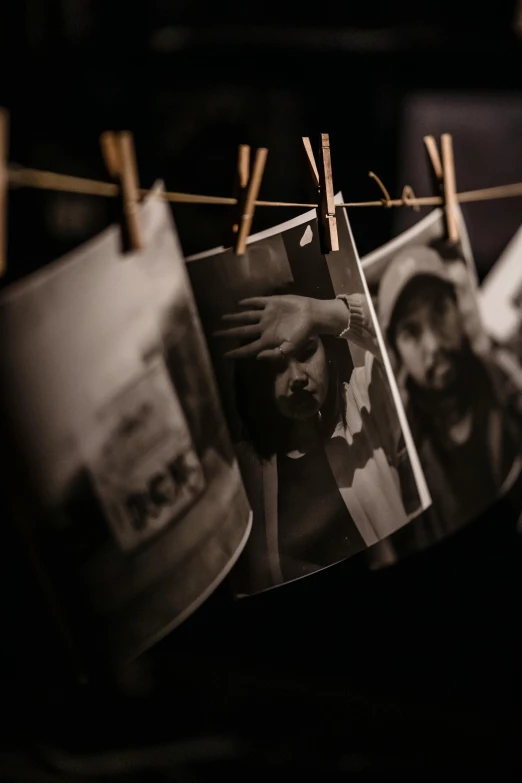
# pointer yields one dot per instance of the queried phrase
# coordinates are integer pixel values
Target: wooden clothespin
(120, 159)
(443, 176)
(435, 163)
(240, 190)
(247, 190)
(4, 187)
(322, 179)
(450, 187)
(243, 175)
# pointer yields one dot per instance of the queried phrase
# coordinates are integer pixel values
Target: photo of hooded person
(319, 439)
(462, 406)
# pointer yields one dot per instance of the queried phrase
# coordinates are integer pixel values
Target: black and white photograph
(485, 126)
(322, 440)
(500, 295)
(462, 403)
(108, 390)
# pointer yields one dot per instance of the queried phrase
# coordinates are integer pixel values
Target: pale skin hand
(286, 323)
(361, 331)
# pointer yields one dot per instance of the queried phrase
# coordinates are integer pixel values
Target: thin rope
(48, 180)
(387, 198)
(408, 196)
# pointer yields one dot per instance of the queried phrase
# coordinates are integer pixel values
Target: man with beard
(464, 410)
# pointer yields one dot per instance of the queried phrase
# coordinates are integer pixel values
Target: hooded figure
(463, 410)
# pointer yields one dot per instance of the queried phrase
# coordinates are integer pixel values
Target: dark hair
(403, 296)
(264, 428)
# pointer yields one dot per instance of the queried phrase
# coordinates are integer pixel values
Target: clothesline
(48, 180)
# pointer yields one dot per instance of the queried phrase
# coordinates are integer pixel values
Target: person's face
(429, 334)
(301, 381)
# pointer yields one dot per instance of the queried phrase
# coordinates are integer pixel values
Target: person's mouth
(441, 371)
(302, 401)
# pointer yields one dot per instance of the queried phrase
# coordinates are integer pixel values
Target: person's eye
(410, 331)
(307, 351)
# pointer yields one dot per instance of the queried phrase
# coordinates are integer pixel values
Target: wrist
(329, 316)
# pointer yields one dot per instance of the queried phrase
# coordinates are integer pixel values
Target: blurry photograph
(146, 469)
(462, 403)
(112, 407)
(349, 675)
(500, 295)
(322, 441)
(485, 125)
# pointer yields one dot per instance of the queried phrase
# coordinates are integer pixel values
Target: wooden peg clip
(248, 185)
(4, 186)
(322, 180)
(435, 163)
(240, 190)
(444, 181)
(120, 160)
(450, 187)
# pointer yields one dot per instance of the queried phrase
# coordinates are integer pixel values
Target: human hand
(360, 320)
(361, 331)
(274, 325)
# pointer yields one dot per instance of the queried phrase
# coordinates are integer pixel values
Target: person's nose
(298, 379)
(430, 344)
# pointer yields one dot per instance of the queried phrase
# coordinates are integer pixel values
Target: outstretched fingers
(246, 317)
(253, 330)
(270, 354)
(245, 351)
(247, 325)
(258, 302)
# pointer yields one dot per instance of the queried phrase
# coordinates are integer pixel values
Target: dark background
(409, 674)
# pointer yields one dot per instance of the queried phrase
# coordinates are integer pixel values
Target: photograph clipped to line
(112, 409)
(500, 296)
(314, 411)
(462, 405)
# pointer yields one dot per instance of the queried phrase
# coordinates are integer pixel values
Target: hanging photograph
(322, 440)
(112, 408)
(500, 296)
(462, 404)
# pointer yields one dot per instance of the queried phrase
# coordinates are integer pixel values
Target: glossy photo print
(108, 389)
(315, 415)
(462, 403)
(500, 296)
